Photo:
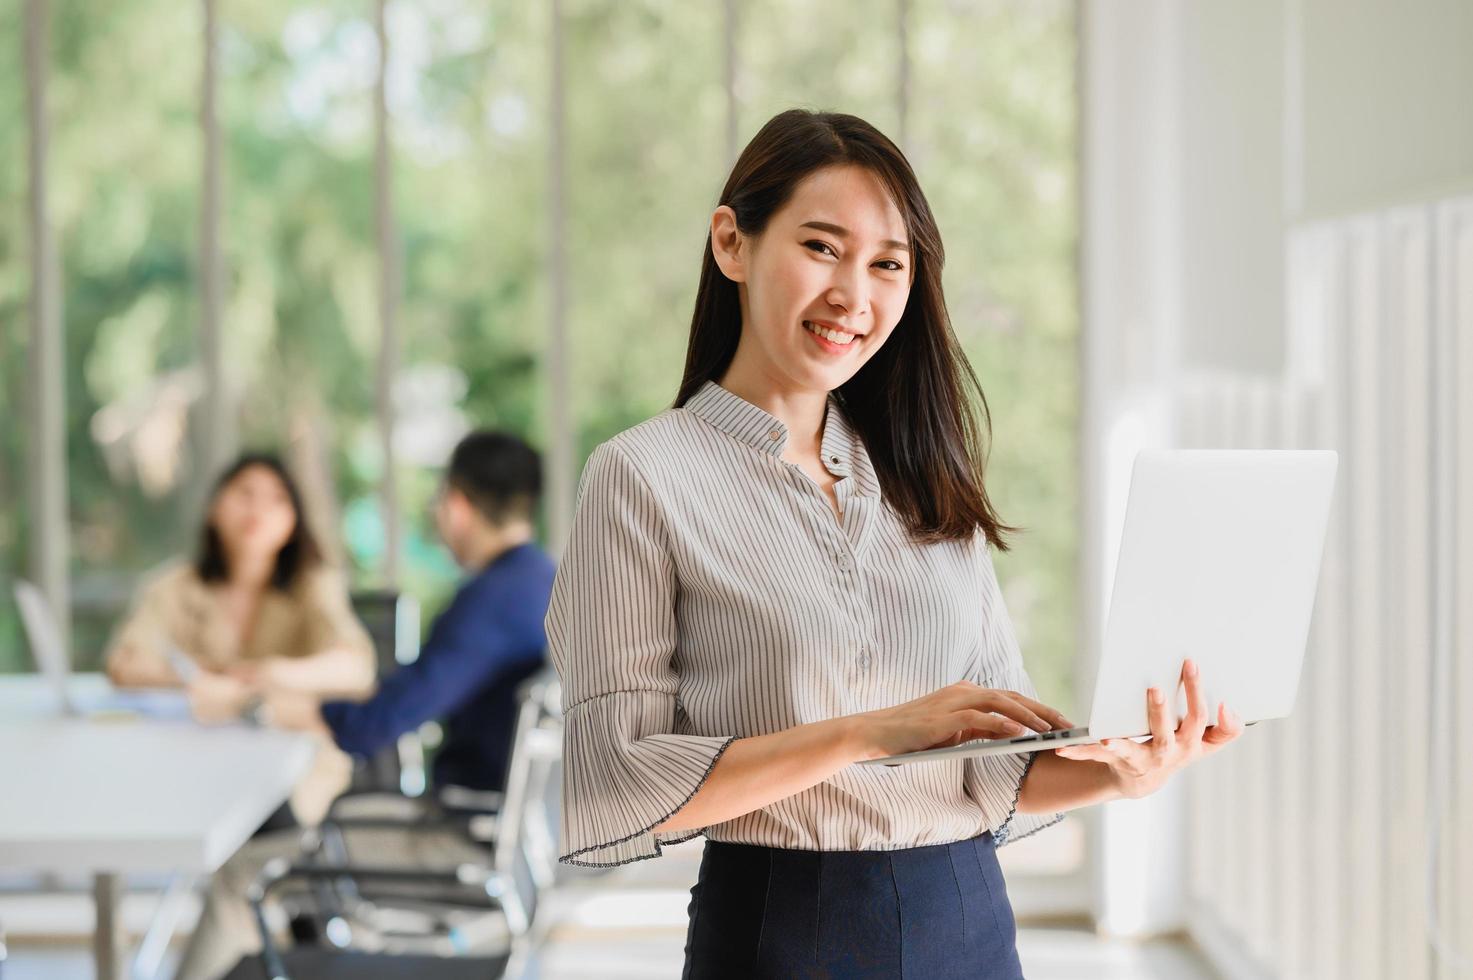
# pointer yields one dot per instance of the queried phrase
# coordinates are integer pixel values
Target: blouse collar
(842, 450)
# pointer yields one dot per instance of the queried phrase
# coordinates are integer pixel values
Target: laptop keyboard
(1046, 736)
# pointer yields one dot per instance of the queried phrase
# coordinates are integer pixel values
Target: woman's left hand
(254, 674)
(1141, 768)
(216, 698)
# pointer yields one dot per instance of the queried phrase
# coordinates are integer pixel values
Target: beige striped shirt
(708, 592)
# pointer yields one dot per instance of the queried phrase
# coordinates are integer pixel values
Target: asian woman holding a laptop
(790, 572)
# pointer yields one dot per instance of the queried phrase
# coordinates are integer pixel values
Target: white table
(107, 795)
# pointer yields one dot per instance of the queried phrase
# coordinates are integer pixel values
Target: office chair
(356, 905)
(473, 813)
(392, 621)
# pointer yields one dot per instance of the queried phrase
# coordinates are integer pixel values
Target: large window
(994, 134)
(985, 91)
(123, 181)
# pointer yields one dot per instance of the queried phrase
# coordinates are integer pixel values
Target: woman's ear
(729, 247)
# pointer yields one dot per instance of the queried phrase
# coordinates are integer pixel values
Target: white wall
(1286, 110)
(1230, 202)
(1387, 102)
(1212, 131)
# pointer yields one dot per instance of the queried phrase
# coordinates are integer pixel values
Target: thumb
(1229, 726)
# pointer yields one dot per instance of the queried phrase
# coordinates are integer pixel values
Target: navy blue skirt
(931, 912)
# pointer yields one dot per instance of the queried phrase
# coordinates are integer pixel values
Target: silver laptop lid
(1219, 561)
(44, 636)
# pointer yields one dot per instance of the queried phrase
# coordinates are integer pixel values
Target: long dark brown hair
(909, 402)
(299, 554)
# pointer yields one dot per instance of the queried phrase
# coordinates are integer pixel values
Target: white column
(46, 483)
(559, 454)
(215, 433)
(1128, 346)
(729, 24)
(388, 301)
(1453, 790)
(902, 74)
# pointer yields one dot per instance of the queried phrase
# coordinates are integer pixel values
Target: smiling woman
(861, 284)
(835, 234)
(800, 552)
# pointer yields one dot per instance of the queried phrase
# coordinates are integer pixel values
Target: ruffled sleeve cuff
(618, 786)
(996, 782)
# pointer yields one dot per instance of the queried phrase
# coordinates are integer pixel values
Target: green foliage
(994, 134)
(991, 131)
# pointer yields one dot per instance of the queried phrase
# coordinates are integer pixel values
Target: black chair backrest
(392, 621)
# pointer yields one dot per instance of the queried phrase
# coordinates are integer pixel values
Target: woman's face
(253, 514)
(825, 282)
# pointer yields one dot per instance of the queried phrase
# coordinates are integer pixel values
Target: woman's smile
(828, 339)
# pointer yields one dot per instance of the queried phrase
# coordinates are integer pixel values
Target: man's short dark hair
(500, 474)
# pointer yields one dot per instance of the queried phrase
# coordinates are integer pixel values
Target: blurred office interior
(354, 229)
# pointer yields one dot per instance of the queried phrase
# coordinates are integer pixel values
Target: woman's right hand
(133, 665)
(957, 713)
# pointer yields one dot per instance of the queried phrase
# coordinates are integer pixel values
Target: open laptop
(1219, 561)
(43, 633)
(44, 636)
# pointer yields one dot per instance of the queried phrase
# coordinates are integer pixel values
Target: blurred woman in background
(256, 611)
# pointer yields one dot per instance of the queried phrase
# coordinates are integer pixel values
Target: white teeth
(836, 336)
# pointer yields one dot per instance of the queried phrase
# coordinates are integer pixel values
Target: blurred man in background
(481, 647)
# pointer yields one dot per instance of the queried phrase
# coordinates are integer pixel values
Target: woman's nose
(848, 292)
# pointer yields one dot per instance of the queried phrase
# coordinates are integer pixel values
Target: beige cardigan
(176, 607)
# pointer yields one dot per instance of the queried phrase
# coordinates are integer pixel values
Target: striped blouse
(708, 592)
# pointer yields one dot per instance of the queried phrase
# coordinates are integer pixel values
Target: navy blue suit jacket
(486, 642)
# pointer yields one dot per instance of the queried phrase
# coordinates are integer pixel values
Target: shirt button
(834, 459)
(774, 435)
(845, 562)
(864, 660)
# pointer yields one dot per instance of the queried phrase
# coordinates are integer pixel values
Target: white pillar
(559, 429)
(46, 478)
(215, 434)
(388, 302)
(729, 24)
(1129, 244)
(902, 74)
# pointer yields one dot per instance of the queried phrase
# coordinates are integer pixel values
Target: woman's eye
(823, 248)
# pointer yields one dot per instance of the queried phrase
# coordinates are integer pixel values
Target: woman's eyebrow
(843, 232)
